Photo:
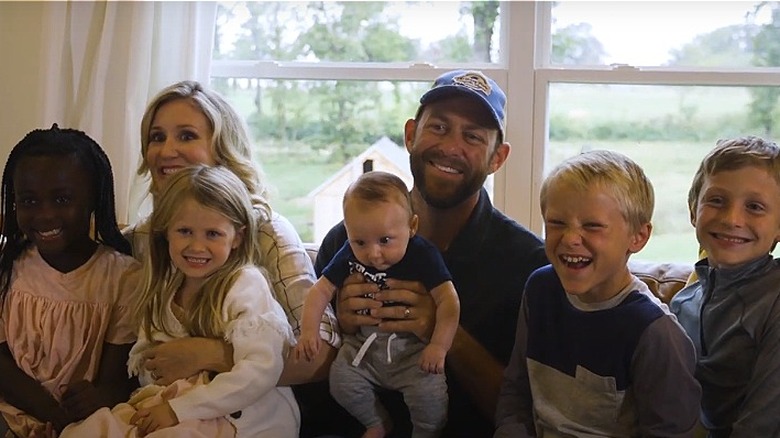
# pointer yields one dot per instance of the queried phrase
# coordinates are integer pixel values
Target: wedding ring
(407, 313)
(155, 376)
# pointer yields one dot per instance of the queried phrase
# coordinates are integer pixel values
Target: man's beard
(470, 185)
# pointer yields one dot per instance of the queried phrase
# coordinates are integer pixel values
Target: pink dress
(115, 422)
(55, 324)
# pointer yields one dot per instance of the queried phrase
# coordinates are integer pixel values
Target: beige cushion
(663, 279)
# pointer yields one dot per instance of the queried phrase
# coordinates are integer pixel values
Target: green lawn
(289, 186)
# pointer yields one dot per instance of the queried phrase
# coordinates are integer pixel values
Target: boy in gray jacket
(732, 312)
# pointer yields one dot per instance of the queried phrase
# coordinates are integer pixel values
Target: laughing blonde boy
(596, 354)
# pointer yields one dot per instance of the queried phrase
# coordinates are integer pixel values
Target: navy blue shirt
(422, 262)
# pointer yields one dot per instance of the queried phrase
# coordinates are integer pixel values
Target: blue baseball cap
(472, 83)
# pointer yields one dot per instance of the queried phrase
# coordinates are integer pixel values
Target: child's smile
(54, 211)
(588, 241)
(200, 240)
(738, 215)
(576, 262)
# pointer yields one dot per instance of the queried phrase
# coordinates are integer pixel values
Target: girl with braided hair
(66, 284)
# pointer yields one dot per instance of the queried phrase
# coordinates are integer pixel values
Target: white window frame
(525, 74)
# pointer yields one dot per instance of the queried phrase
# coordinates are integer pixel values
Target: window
(322, 84)
(660, 82)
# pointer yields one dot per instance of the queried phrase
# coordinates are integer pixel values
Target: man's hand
(414, 310)
(184, 357)
(352, 302)
(154, 418)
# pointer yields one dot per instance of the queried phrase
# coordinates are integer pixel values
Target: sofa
(663, 279)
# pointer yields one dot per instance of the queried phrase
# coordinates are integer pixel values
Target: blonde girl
(200, 279)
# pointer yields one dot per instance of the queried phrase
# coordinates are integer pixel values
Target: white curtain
(93, 66)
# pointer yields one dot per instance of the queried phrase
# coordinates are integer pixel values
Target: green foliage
(763, 109)
(742, 46)
(728, 46)
(766, 53)
(645, 113)
(484, 15)
(574, 44)
(455, 48)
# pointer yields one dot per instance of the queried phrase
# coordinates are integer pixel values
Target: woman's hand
(413, 311)
(353, 305)
(181, 358)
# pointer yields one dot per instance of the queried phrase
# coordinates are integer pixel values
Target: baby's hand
(43, 431)
(432, 359)
(154, 418)
(308, 346)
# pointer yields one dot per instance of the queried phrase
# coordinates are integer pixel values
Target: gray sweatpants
(352, 386)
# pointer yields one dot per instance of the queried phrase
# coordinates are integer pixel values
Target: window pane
(682, 33)
(397, 31)
(667, 130)
(313, 138)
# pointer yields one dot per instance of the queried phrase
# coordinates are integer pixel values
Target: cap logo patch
(473, 81)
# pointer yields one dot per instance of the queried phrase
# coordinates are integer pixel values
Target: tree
(484, 14)
(766, 53)
(265, 37)
(742, 45)
(574, 44)
(729, 46)
(351, 111)
(454, 48)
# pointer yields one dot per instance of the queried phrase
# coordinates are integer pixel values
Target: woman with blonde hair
(187, 124)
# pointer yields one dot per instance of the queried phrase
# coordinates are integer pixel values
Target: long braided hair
(60, 143)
